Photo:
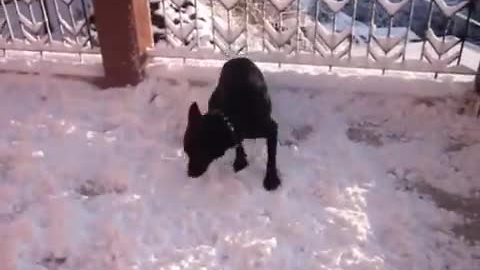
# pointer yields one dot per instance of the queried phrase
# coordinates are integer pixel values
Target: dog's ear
(194, 114)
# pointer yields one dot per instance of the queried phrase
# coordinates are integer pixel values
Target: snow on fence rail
(47, 25)
(286, 31)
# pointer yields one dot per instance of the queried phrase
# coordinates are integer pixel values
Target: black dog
(239, 108)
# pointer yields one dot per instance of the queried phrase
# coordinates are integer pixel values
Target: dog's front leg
(272, 181)
(240, 162)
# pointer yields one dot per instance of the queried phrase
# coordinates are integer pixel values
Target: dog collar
(230, 126)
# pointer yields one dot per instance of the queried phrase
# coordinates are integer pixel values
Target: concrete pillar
(124, 32)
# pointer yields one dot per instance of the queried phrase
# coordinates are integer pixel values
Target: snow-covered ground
(94, 179)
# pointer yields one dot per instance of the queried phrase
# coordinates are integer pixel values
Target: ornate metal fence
(415, 35)
(47, 25)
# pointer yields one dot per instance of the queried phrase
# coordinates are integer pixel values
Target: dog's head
(207, 138)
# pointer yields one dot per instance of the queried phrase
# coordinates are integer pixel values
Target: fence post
(124, 32)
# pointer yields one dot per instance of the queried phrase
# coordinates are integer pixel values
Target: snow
(282, 5)
(440, 64)
(387, 60)
(229, 34)
(88, 65)
(229, 4)
(96, 179)
(388, 43)
(450, 10)
(182, 31)
(391, 7)
(332, 39)
(442, 46)
(335, 6)
(280, 37)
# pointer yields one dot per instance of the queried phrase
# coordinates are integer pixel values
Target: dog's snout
(194, 174)
(196, 170)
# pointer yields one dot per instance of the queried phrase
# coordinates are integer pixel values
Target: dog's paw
(272, 181)
(240, 164)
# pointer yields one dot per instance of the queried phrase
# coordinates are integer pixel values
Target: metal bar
(246, 25)
(74, 24)
(87, 20)
(263, 25)
(20, 14)
(372, 25)
(229, 31)
(47, 20)
(196, 25)
(280, 26)
(166, 27)
(445, 33)
(429, 20)
(9, 24)
(352, 29)
(180, 18)
(32, 17)
(334, 23)
(213, 24)
(334, 26)
(410, 19)
(389, 34)
(390, 25)
(298, 28)
(467, 28)
(62, 30)
(314, 41)
(34, 21)
(468, 19)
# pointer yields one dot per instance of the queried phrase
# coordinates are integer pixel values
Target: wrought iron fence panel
(47, 25)
(414, 35)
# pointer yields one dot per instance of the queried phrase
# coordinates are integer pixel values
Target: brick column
(124, 32)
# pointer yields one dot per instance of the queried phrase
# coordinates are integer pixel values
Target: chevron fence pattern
(283, 31)
(47, 25)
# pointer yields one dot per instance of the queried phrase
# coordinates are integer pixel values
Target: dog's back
(240, 74)
(241, 94)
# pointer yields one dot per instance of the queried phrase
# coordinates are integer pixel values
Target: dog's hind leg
(240, 162)
(272, 181)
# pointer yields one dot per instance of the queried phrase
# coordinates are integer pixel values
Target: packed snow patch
(94, 179)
